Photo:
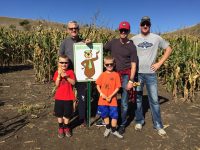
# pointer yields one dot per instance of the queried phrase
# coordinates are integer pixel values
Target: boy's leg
(108, 130)
(58, 109)
(114, 115)
(60, 128)
(66, 126)
(103, 111)
(68, 110)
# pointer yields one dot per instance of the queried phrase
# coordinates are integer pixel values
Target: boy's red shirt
(64, 91)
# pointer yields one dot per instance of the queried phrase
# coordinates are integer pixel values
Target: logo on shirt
(145, 45)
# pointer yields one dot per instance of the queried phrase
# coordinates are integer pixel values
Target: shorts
(108, 111)
(63, 108)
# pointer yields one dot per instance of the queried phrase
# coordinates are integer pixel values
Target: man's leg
(81, 95)
(124, 104)
(151, 84)
(139, 117)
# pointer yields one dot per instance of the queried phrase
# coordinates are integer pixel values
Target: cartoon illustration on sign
(88, 63)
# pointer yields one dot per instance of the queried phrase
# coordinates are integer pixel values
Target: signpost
(88, 66)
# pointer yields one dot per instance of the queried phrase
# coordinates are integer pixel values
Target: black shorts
(63, 108)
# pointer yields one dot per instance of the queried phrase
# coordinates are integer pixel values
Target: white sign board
(88, 61)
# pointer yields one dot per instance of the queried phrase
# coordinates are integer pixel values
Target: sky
(166, 15)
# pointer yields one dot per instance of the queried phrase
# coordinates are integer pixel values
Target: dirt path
(37, 128)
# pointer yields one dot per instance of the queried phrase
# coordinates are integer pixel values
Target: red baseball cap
(124, 25)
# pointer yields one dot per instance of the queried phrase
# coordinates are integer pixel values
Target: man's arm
(132, 76)
(165, 56)
(62, 49)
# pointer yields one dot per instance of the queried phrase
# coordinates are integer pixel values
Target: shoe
(67, 132)
(161, 132)
(107, 132)
(138, 127)
(116, 133)
(100, 123)
(60, 133)
(121, 130)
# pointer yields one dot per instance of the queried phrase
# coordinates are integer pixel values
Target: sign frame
(88, 61)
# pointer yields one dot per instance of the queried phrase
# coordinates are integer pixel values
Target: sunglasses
(71, 29)
(123, 31)
(111, 64)
(64, 62)
(145, 23)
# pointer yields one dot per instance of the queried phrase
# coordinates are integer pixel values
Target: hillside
(15, 23)
(193, 31)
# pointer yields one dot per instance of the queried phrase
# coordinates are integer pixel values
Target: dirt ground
(27, 121)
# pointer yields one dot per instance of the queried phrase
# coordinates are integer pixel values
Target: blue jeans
(124, 100)
(151, 84)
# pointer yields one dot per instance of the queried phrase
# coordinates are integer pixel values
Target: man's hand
(87, 41)
(129, 86)
(155, 66)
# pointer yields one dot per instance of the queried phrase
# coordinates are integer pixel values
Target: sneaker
(138, 127)
(121, 130)
(100, 123)
(67, 132)
(116, 133)
(107, 132)
(161, 132)
(60, 133)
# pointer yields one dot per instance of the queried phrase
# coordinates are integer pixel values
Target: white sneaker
(138, 127)
(161, 132)
(107, 132)
(116, 133)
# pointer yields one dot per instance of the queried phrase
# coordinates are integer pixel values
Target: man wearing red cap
(147, 49)
(124, 52)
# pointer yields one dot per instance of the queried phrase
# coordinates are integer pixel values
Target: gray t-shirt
(147, 50)
(66, 48)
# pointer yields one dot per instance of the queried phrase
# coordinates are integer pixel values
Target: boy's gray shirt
(147, 50)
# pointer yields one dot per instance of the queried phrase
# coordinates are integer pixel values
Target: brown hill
(15, 23)
(192, 31)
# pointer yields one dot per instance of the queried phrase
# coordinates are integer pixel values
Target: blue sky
(167, 15)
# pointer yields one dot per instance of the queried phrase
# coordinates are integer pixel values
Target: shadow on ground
(6, 69)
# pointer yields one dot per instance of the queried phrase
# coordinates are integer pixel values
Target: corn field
(180, 73)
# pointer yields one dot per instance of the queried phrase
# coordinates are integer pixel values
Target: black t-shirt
(124, 54)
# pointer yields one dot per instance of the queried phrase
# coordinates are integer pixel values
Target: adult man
(124, 52)
(66, 48)
(147, 45)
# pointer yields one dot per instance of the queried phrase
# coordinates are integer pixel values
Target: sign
(88, 60)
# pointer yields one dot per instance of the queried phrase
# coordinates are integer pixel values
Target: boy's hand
(108, 99)
(59, 71)
(103, 96)
(64, 75)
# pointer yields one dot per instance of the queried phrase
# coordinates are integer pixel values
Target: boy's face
(109, 65)
(63, 63)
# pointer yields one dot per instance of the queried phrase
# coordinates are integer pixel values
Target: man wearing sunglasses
(66, 48)
(147, 45)
(124, 52)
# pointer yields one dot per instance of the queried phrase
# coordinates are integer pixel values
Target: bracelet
(130, 81)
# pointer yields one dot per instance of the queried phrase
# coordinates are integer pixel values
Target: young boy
(64, 79)
(108, 85)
